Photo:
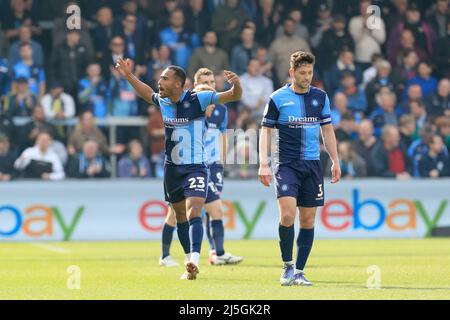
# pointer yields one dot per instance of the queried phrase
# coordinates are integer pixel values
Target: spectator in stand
(346, 131)
(390, 159)
(136, 42)
(333, 41)
(282, 48)
(103, 32)
(160, 61)
(405, 71)
(7, 158)
(162, 16)
(135, 164)
(396, 14)
(262, 55)
(21, 103)
(438, 103)
(60, 31)
(28, 133)
(16, 18)
(130, 7)
(123, 96)
(419, 112)
(84, 131)
(93, 92)
(435, 163)
(369, 36)
(266, 21)
(117, 50)
(423, 35)
(383, 78)
(180, 41)
(28, 69)
(339, 108)
(407, 42)
(419, 147)
(365, 144)
(439, 18)
(89, 163)
(414, 92)
(256, 90)
(25, 37)
(244, 51)
(441, 55)
(198, 19)
(386, 113)
(68, 62)
(424, 79)
(344, 64)
(227, 22)
(57, 104)
(371, 72)
(209, 56)
(4, 78)
(407, 128)
(40, 161)
(323, 23)
(352, 165)
(356, 99)
(301, 30)
(443, 128)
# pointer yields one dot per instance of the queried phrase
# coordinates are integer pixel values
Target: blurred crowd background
(387, 79)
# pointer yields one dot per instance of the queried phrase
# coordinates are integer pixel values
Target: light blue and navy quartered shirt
(185, 126)
(217, 124)
(298, 118)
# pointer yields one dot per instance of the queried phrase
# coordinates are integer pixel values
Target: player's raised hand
(265, 175)
(231, 77)
(335, 172)
(123, 67)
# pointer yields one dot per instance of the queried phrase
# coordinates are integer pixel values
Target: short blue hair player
(299, 112)
(186, 174)
(216, 145)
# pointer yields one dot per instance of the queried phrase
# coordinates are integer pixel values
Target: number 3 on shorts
(320, 191)
(197, 183)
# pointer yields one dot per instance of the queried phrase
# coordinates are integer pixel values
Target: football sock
(183, 236)
(167, 235)
(218, 235)
(286, 235)
(304, 244)
(212, 246)
(195, 235)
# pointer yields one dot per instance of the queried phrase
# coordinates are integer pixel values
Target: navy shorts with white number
(215, 184)
(303, 180)
(184, 181)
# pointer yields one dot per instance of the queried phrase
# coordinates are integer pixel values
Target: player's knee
(287, 219)
(216, 213)
(194, 208)
(171, 219)
(307, 222)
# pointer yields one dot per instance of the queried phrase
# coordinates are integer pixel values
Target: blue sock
(196, 234)
(218, 235)
(304, 244)
(286, 235)
(212, 246)
(183, 236)
(167, 235)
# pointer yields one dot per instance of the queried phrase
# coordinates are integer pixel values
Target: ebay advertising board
(135, 210)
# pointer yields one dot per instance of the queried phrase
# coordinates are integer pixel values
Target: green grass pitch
(409, 269)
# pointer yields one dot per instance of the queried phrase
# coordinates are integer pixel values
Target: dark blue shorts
(301, 179)
(215, 184)
(184, 181)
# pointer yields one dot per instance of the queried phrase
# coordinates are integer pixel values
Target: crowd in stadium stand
(386, 74)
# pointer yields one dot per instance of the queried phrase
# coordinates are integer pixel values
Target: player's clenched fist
(265, 175)
(231, 77)
(123, 67)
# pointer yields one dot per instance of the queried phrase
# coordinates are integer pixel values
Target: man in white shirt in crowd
(256, 90)
(40, 161)
(57, 104)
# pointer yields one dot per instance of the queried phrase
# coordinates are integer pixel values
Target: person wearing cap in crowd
(20, 103)
(323, 23)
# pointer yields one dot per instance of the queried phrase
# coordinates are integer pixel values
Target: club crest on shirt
(186, 105)
(315, 103)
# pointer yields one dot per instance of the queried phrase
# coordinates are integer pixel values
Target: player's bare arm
(233, 94)
(265, 173)
(125, 70)
(329, 140)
